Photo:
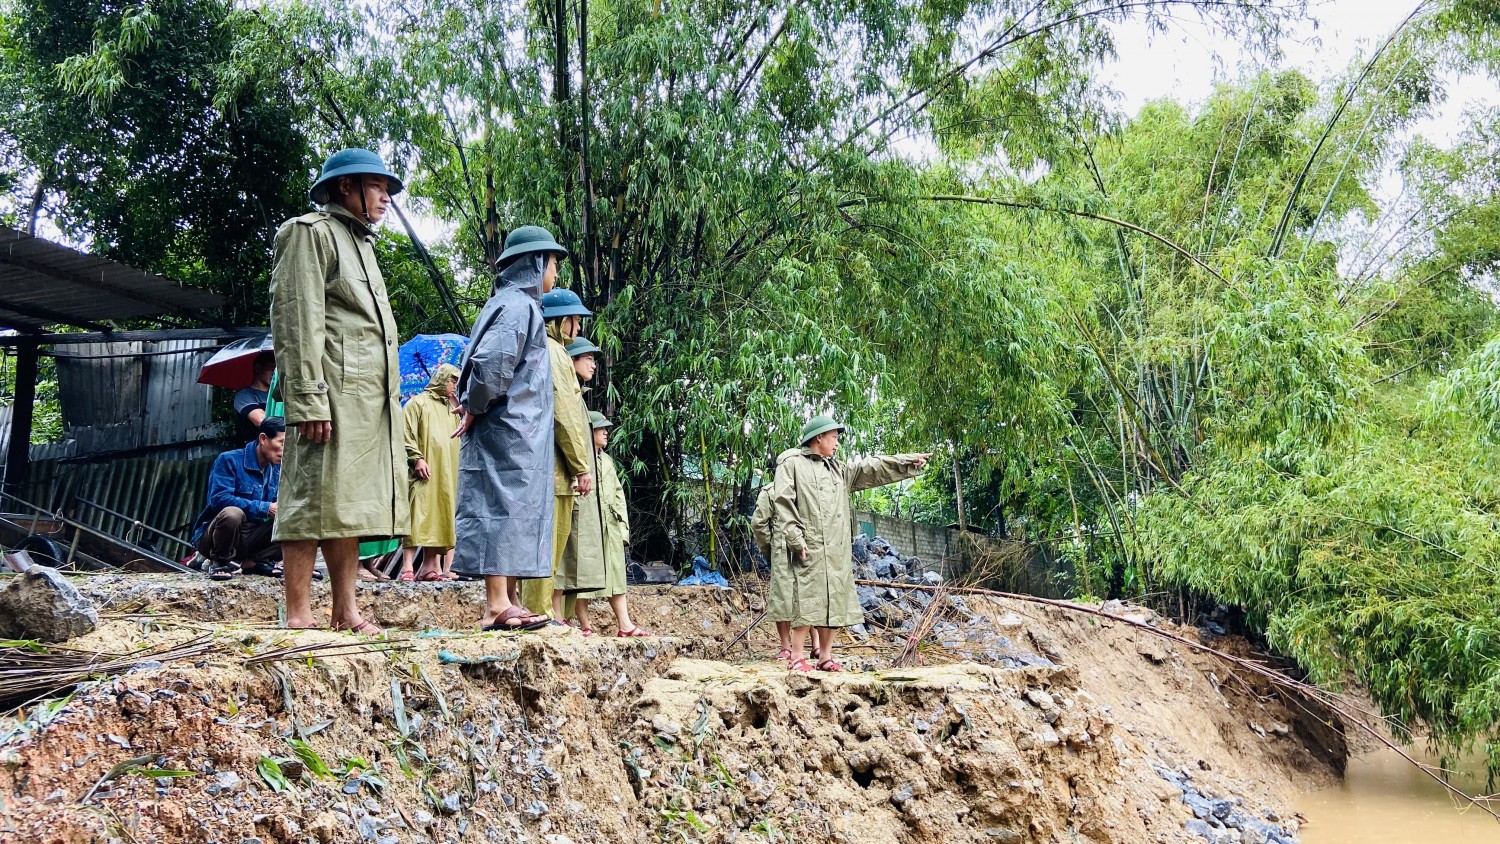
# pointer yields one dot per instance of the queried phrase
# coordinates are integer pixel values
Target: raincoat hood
(555, 331)
(525, 274)
(441, 377)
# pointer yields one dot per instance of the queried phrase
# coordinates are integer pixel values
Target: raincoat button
(322, 386)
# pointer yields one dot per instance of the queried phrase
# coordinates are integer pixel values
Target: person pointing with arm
(811, 500)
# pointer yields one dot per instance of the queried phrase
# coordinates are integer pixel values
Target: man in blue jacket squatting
(236, 524)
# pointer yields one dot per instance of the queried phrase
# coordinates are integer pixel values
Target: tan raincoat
(811, 499)
(430, 424)
(616, 530)
(335, 342)
(772, 544)
(571, 572)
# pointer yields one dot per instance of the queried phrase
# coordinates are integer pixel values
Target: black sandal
(519, 614)
(222, 571)
(270, 570)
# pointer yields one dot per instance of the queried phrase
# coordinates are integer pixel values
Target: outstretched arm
(879, 471)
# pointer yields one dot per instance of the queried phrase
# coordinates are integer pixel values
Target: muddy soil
(1079, 730)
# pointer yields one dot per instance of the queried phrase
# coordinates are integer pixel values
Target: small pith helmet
(582, 346)
(352, 162)
(598, 420)
(561, 302)
(529, 239)
(819, 425)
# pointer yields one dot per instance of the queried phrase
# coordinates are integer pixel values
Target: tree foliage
(1194, 348)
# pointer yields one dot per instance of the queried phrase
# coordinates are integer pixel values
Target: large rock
(41, 604)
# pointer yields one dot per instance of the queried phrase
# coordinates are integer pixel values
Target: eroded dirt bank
(1060, 728)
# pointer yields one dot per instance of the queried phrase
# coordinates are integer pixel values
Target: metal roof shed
(44, 284)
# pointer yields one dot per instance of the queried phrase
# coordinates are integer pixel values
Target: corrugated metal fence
(164, 489)
(140, 436)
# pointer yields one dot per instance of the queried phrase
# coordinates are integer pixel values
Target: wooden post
(958, 494)
(18, 454)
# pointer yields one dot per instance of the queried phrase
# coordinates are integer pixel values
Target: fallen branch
(1276, 678)
(30, 670)
(322, 650)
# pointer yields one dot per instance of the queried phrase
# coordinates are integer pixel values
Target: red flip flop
(633, 632)
(801, 665)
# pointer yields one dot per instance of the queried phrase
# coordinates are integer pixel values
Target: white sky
(1185, 62)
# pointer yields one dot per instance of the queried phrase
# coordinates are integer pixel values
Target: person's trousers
(231, 538)
(536, 594)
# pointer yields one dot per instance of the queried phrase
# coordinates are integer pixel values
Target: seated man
(236, 524)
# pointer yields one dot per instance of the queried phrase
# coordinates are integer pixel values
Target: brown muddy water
(1385, 799)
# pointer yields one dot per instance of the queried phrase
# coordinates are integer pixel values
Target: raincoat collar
(813, 455)
(554, 330)
(344, 215)
(524, 274)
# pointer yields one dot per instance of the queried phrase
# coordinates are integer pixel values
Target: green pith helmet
(529, 239)
(582, 346)
(351, 162)
(598, 420)
(819, 425)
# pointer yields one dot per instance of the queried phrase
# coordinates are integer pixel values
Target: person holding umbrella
(344, 472)
(811, 499)
(246, 367)
(505, 516)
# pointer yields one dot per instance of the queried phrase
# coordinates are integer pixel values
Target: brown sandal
(364, 628)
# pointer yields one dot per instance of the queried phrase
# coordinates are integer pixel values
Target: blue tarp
(703, 575)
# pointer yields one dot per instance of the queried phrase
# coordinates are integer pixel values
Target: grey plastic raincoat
(505, 482)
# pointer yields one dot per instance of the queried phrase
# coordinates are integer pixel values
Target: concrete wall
(1002, 564)
(933, 543)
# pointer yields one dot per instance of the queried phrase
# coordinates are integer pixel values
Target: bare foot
(301, 623)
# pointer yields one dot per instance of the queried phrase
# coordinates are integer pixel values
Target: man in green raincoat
(576, 566)
(344, 474)
(616, 536)
(772, 546)
(811, 500)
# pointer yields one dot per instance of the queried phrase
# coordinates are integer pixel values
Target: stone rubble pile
(969, 635)
(1225, 821)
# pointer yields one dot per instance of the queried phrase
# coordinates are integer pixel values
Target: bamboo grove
(1199, 350)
